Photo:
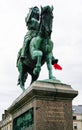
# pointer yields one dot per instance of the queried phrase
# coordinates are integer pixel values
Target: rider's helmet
(34, 13)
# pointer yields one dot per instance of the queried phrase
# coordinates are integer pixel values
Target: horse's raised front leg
(49, 66)
(37, 55)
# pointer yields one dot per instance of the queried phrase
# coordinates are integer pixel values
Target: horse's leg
(38, 65)
(37, 55)
(49, 66)
(34, 78)
(22, 81)
(22, 75)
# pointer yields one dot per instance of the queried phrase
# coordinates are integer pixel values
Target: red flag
(56, 66)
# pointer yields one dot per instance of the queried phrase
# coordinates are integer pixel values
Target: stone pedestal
(50, 104)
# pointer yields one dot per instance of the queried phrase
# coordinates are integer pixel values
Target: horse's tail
(18, 56)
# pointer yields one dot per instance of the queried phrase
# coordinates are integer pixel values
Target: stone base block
(45, 105)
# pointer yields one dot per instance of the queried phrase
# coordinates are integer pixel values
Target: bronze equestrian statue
(37, 47)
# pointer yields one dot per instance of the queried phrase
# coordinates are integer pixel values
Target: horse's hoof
(36, 71)
(23, 88)
(52, 77)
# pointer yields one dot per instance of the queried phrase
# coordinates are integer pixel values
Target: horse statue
(40, 50)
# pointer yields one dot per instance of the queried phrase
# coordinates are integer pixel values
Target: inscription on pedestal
(50, 115)
(54, 114)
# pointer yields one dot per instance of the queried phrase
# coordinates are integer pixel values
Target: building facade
(77, 117)
(6, 122)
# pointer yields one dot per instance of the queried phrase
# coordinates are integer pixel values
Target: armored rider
(32, 23)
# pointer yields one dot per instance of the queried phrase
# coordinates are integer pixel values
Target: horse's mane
(46, 9)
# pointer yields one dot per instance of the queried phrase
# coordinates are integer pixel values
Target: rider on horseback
(32, 23)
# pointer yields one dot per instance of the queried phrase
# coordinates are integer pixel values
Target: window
(75, 126)
(74, 117)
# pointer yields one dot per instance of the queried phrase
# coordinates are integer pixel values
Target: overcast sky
(66, 35)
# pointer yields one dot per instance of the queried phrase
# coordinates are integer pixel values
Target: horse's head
(46, 20)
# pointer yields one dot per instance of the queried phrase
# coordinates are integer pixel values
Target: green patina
(24, 121)
(37, 46)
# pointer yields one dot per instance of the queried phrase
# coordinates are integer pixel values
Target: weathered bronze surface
(24, 121)
(37, 47)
